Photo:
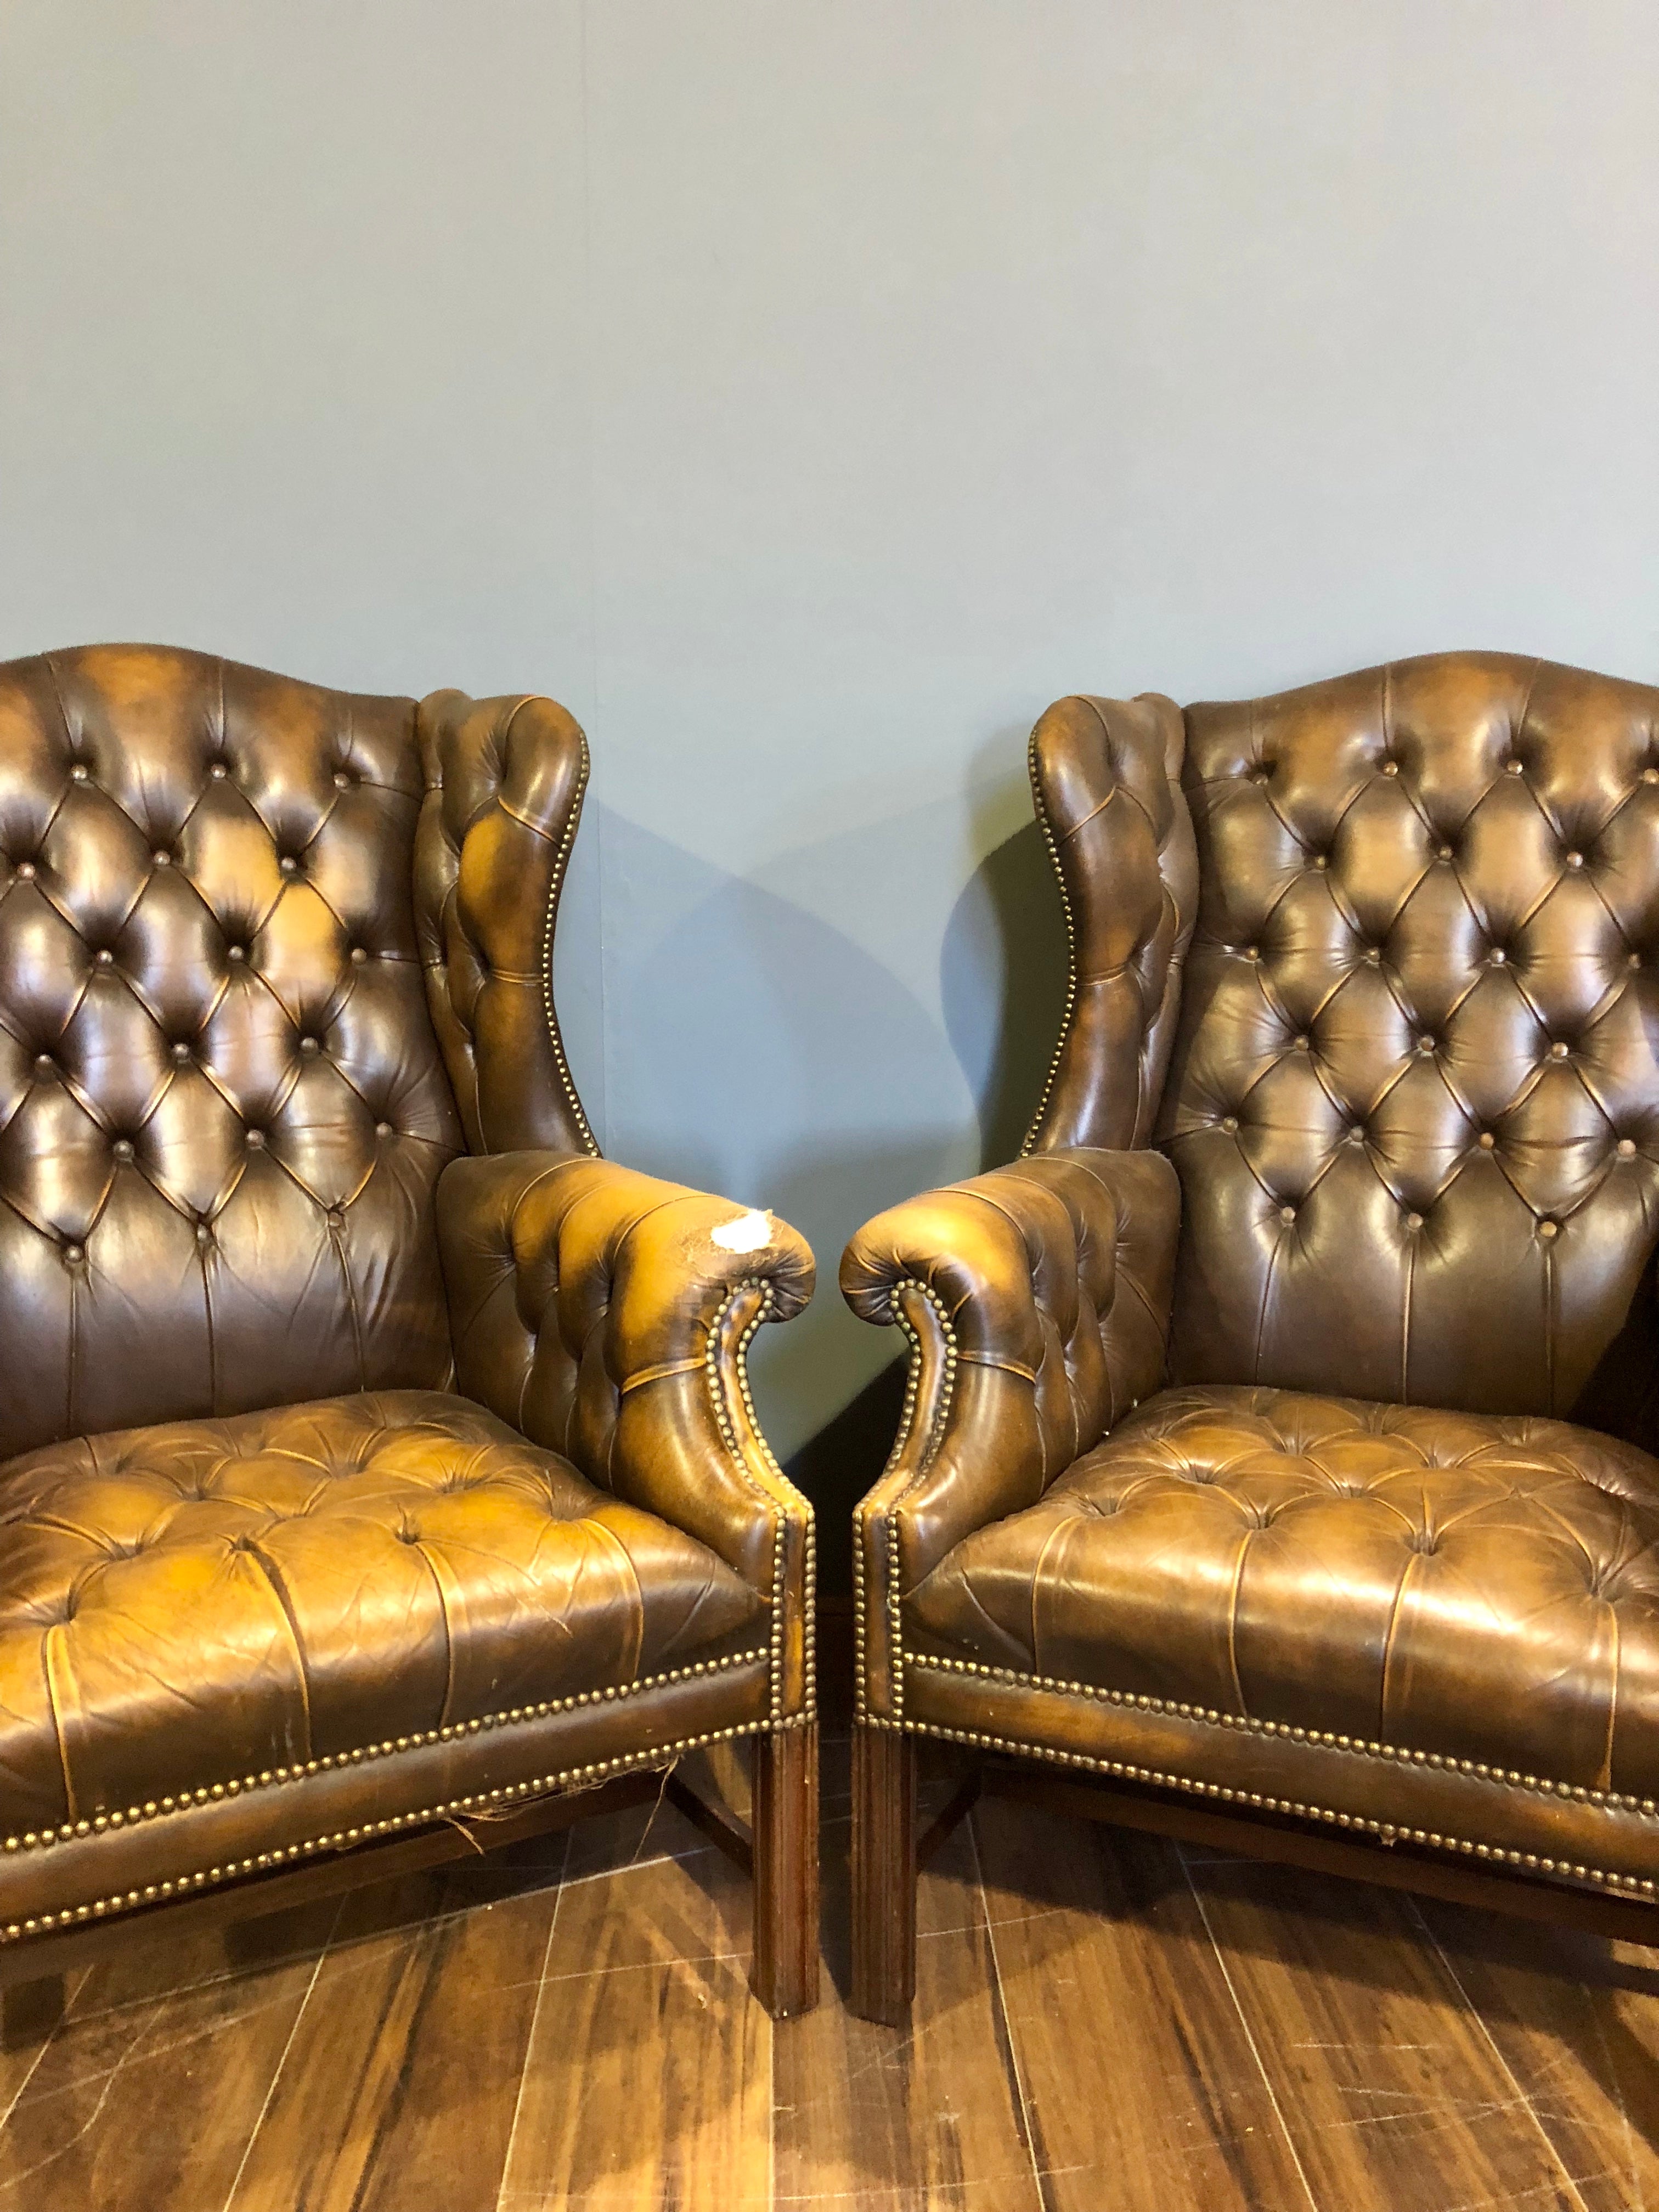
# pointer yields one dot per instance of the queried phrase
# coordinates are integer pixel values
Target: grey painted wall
(806, 393)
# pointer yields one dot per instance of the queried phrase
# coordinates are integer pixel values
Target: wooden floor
(1103, 2021)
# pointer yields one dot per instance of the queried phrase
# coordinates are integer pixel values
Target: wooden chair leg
(30, 2010)
(883, 1875)
(785, 1829)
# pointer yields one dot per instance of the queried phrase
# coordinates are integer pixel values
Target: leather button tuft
(1497, 958)
(103, 957)
(1513, 768)
(1445, 853)
(287, 864)
(181, 1053)
(1574, 860)
(1373, 956)
(1650, 775)
(359, 954)
(74, 1254)
(1287, 1214)
(1486, 1140)
(256, 1139)
(1426, 1042)
(383, 1129)
(161, 858)
(1357, 1134)
(1626, 1148)
(79, 772)
(1322, 860)
(26, 871)
(1253, 952)
(335, 1218)
(1391, 768)
(310, 1047)
(218, 770)
(1548, 1229)
(342, 780)
(203, 1234)
(236, 952)
(1414, 1221)
(1632, 960)
(45, 1064)
(122, 1149)
(1229, 1123)
(1303, 1044)
(1559, 1049)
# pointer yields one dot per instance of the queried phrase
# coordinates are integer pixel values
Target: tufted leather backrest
(223, 1106)
(1413, 1099)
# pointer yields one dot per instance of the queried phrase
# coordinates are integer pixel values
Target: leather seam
(277, 1777)
(1319, 1739)
(345, 1839)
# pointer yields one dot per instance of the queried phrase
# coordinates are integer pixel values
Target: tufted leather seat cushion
(1474, 1587)
(190, 1605)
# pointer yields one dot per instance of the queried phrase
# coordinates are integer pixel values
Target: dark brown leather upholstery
(1365, 1563)
(351, 1483)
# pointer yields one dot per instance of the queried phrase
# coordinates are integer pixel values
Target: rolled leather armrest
(1036, 1302)
(607, 1315)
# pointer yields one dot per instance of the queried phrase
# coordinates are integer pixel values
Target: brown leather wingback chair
(380, 1477)
(1274, 1441)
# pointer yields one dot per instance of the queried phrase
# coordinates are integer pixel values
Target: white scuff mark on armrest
(748, 1233)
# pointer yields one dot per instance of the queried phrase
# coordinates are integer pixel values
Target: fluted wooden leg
(883, 1875)
(785, 1827)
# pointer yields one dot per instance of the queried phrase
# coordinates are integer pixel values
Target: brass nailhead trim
(888, 1524)
(561, 861)
(1326, 1739)
(272, 1777)
(1626, 1885)
(344, 1839)
(792, 1504)
(1047, 828)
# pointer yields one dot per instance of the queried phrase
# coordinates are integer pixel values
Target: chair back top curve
(255, 994)
(1411, 1093)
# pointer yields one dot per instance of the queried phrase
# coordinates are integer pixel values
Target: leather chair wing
(1106, 784)
(505, 779)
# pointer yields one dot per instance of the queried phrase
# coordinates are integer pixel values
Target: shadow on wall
(753, 1048)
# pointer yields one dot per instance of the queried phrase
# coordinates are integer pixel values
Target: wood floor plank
(1391, 2089)
(398, 2091)
(145, 2103)
(1143, 2086)
(648, 2077)
(1577, 2020)
(870, 2116)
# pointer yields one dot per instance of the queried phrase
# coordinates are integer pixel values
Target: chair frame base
(888, 1854)
(779, 1853)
